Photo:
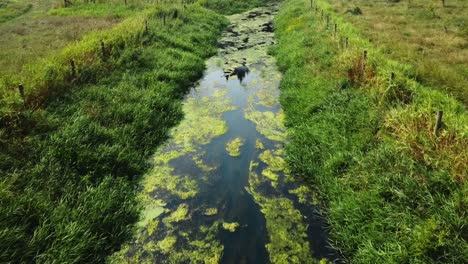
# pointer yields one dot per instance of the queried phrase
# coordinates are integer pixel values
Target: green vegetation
(395, 191)
(72, 150)
(233, 147)
(229, 7)
(430, 37)
(10, 9)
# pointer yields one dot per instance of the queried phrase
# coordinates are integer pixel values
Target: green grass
(232, 6)
(71, 157)
(117, 10)
(431, 38)
(10, 9)
(393, 191)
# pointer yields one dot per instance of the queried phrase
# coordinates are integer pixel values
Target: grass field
(70, 164)
(73, 148)
(394, 191)
(424, 34)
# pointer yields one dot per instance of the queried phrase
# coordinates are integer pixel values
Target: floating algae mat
(219, 190)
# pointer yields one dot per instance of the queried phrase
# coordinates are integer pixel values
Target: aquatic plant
(231, 227)
(233, 147)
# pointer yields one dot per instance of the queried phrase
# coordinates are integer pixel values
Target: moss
(233, 147)
(211, 211)
(231, 227)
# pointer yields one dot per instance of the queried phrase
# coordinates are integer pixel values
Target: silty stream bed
(219, 190)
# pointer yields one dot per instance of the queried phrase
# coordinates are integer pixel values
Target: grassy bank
(73, 148)
(429, 36)
(394, 191)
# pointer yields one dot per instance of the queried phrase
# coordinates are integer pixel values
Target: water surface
(219, 190)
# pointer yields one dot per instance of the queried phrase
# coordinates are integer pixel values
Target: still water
(219, 190)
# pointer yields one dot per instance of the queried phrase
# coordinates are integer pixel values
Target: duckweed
(233, 147)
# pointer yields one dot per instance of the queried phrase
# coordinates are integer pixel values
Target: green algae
(304, 194)
(233, 147)
(180, 214)
(211, 211)
(267, 97)
(161, 178)
(274, 161)
(167, 244)
(268, 123)
(285, 224)
(201, 164)
(259, 145)
(231, 227)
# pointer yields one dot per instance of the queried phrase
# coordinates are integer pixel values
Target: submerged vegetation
(394, 190)
(233, 147)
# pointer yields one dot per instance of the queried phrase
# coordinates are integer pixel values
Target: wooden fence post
(346, 43)
(21, 90)
(392, 77)
(103, 50)
(335, 29)
(438, 125)
(73, 69)
(146, 26)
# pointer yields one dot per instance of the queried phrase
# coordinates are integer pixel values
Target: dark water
(206, 204)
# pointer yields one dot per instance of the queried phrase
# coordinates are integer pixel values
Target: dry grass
(37, 35)
(431, 38)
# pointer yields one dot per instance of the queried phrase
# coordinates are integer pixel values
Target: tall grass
(394, 191)
(72, 150)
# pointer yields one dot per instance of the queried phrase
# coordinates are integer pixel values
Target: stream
(219, 190)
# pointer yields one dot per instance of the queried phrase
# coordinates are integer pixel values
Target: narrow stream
(219, 190)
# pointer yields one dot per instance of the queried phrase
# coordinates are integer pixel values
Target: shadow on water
(220, 191)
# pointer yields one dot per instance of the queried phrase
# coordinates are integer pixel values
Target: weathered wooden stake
(392, 77)
(103, 49)
(364, 61)
(311, 3)
(328, 21)
(438, 125)
(164, 19)
(146, 26)
(21, 90)
(335, 29)
(346, 43)
(73, 69)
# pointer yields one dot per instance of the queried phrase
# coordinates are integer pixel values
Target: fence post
(21, 90)
(328, 21)
(335, 29)
(146, 26)
(364, 62)
(438, 125)
(103, 50)
(346, 43)
(392, 77)
(73, 69)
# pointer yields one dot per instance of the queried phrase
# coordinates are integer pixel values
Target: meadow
(75, 145)
(430, 36)
(362, 132)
